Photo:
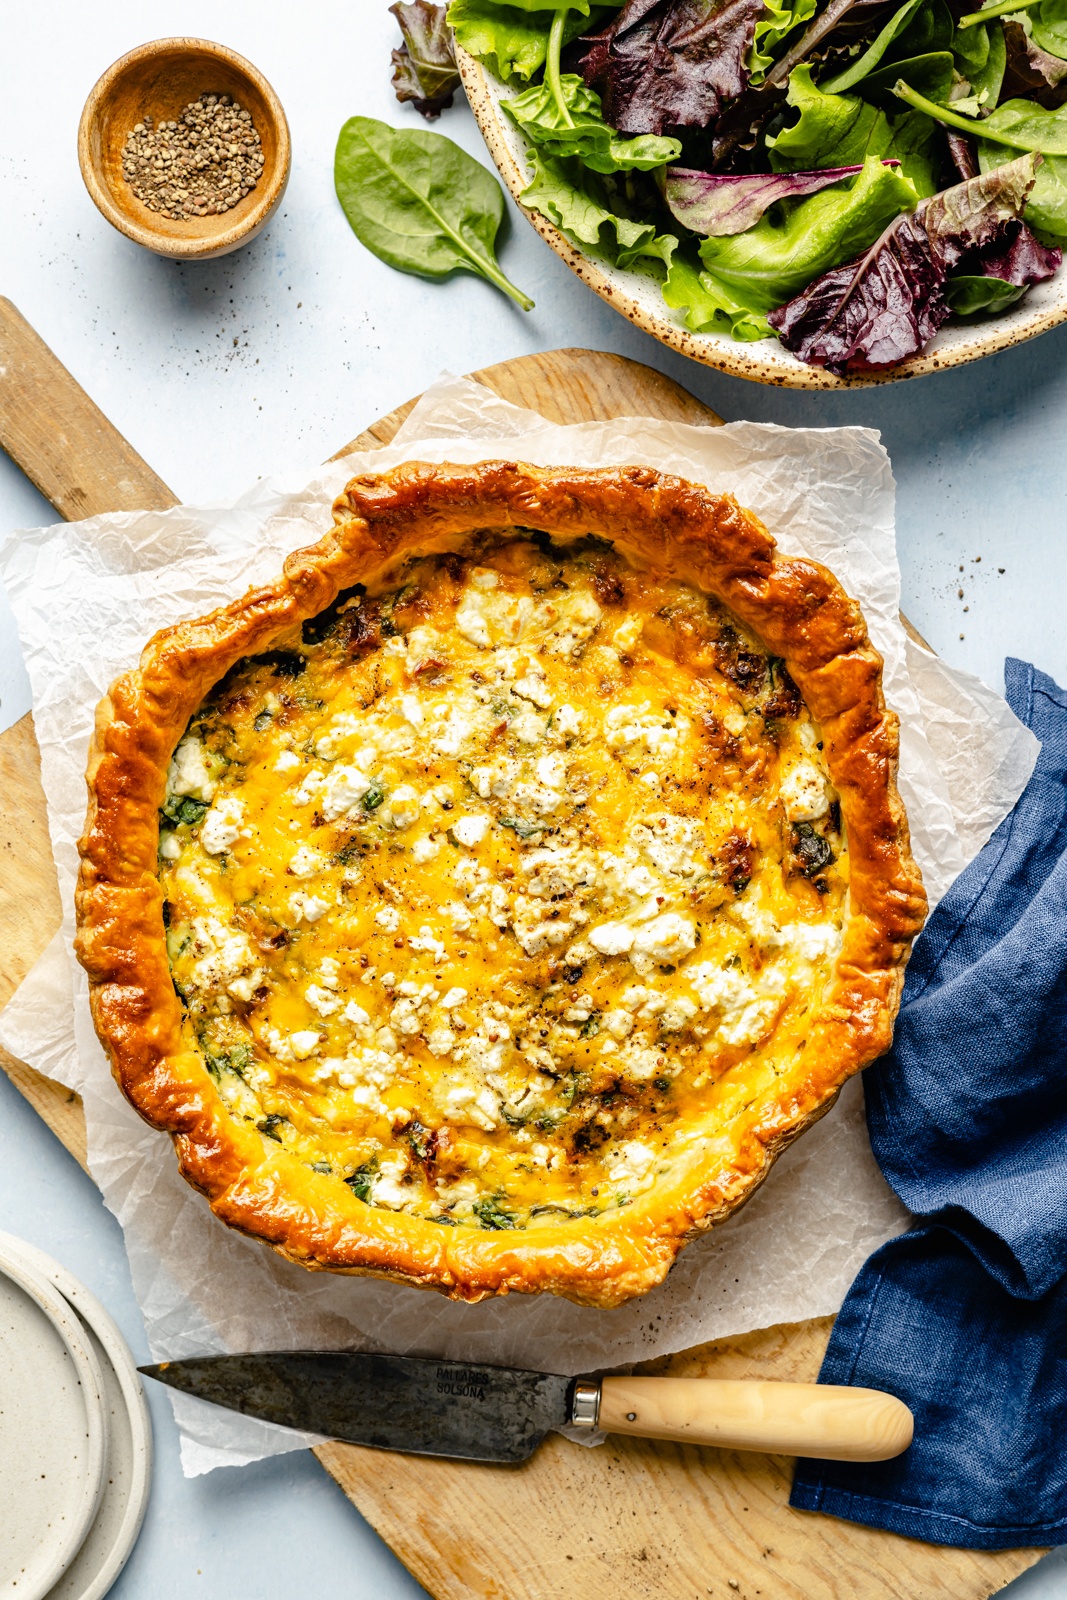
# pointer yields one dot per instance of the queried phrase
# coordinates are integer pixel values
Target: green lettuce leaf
(708, 305)
(777, 23)
(538, 114)
(510, 42)
(577, 202)
(796, 242)
(1048, 27)
(840, 130)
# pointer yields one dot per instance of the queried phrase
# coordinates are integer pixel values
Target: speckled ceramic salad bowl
(637, 296)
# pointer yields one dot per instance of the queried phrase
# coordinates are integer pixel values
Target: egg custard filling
(490, 884)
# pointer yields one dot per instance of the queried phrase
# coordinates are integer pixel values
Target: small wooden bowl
(160, 79)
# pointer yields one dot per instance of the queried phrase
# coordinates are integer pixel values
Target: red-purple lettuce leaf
(664, 64)
(1031, 70)
(424, 68)
(884, 306)
(718, 204)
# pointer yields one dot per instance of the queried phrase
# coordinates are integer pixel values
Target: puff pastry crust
(621, 1243)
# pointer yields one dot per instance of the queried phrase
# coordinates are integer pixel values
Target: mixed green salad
(843, 174)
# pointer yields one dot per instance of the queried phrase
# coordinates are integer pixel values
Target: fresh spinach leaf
(980, 55)
(424, 68)
(420, 203)
(1017, 124)
(933, 75)
(575, 201)
(969, 296)
(511, 42)
(874, 52)
(1048, 27)
(800, 240)
(541, 116)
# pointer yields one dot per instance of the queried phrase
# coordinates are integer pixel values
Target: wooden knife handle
(796, 1419)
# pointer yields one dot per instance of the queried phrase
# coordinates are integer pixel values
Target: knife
(486, 1413)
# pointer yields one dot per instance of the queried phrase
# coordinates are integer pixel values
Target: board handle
(62, 441)
(827, 1421)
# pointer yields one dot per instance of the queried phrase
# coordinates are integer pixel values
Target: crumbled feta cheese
(306, 789)
(388, 918)
(169, 847)
(485, 578)
(287, 761)
(470, 831)
(451, 735)
(803, 793)
(665, 939)
(305, 862)
(533, 686)
(424, 850)
(811, 941)
(440, 1041)
(471, 620)
(425, 940)
(329, 973)
(342, 792)
(321, 1000)
(627, 633)
(528, 728)
(387, 1190)
(304, 1043)
(455, 997)
(404, 806)
(411, 707)
(189, 773)
(222, 828)
(307, 907)
(567, 722)
(634, 1161)
(620, 1024)
(459, 915)
(612, 938)
(355, 1014)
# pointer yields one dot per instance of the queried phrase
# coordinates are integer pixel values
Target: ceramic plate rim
(765, 361)
(63, 1318)
(89, 1308)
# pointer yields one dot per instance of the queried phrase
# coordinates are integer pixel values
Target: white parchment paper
(88, 595)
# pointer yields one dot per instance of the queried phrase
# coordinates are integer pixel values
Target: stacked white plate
(75, 1439)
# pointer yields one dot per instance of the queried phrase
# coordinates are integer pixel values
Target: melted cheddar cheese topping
(487, 888)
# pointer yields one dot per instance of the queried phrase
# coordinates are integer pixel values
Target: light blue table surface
(277, 355)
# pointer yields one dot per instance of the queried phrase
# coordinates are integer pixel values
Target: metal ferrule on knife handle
(826, 1421)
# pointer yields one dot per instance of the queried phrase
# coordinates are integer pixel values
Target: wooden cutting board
(633, 1517)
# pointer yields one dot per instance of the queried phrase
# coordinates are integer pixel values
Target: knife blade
(477, 1412)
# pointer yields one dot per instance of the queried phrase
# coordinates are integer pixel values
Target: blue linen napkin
(965, 1316)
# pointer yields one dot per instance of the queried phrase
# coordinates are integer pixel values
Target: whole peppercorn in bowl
(184, 148)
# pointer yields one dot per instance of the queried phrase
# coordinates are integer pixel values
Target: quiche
(488, 901)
